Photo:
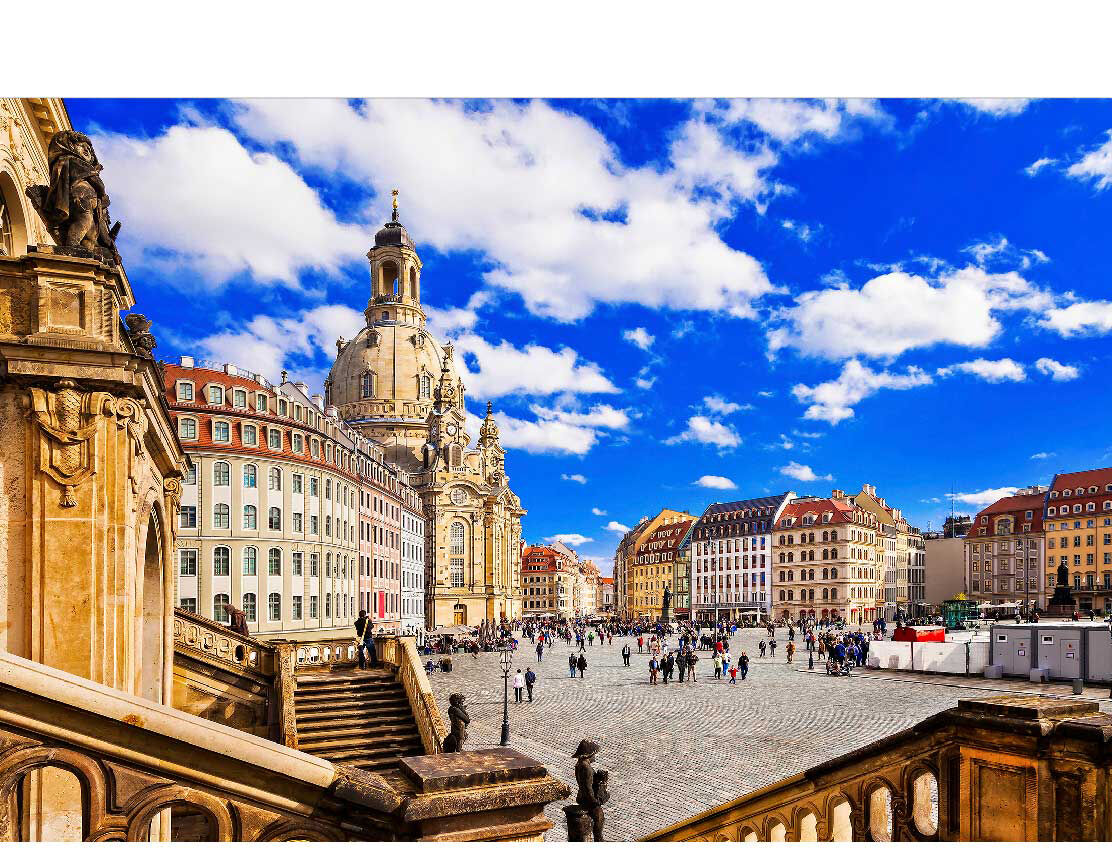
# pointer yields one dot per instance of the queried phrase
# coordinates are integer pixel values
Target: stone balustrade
(211, 640)
(1012, 768)
(401, 653)
(112, 766)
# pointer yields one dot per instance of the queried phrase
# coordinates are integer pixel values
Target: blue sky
(670, 303)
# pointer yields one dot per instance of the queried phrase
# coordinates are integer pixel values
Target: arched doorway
(150, 622)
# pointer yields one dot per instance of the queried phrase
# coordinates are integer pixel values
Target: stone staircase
(355, 717)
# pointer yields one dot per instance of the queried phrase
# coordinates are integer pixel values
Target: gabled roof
(1016, 504)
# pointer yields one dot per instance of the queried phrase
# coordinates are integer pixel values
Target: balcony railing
(1012, 768)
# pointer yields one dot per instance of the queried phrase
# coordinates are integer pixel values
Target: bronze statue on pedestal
(459, 718)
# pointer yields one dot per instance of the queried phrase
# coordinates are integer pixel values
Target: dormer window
(185, 390)
(215, 394)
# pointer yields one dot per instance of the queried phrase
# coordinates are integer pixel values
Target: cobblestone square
(675, 750)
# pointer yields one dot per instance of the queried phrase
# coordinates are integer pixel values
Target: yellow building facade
(396, 385)
(1078, 525)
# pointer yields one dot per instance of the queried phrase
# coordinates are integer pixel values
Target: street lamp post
(504, 661)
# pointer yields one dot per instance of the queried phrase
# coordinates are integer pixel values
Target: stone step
(347, 748)
(353, 712)
(346, 685)
(356, 694)
(385, 762)
(344, 732)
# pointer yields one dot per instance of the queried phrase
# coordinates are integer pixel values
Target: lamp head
(505, 660)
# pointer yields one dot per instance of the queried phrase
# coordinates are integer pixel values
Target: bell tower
(395, 276)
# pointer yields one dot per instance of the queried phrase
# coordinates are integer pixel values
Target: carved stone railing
(145, 771)
(212, 641)
(401, 654)
(1010, 768)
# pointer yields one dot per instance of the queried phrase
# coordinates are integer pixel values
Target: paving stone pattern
(675, 750)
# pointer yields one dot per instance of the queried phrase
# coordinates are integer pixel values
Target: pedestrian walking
(652, 670)
(540, 651)
(717, 666)
(725, 663)
(733, 676)
(640, 645)
(762, 646)
(519, 684)
(743, 664)
(571, 665)
(772, 648)
(530, 681)
(581, 664)
(791, 651)
(681, 663)
(691, 659)
(625, 654)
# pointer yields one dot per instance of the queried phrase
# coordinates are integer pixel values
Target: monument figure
(586, 818)
(1062, 603)
(459, 718)
(74, 207)
(666, 612)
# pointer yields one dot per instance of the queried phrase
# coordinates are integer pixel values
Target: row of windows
(1079, 491)
(217, 394)
(222, 520)
(1089, 507)
(345, 606)
(222, 560)
(829, 594)
(222, 477)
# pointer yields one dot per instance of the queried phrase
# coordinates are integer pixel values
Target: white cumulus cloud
(595, 510)
(573, 540)
(1080, 319)
(718, 404)
(541, 194)
(615, 527)
(1057, 371)
(195, 197)
(701, 429)
(1038, 165)
(1007, 107)
(545, 437)
(533, 369)
(982, 498)
(574, 477)
(599, 416)
(992, 370)
(1042, 456)
(1095, 166)
(898, 311)
(715, 482)
(834, 400)
(639, 336)
(803, 473)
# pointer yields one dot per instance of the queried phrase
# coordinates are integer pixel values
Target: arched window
(250, 518)
(221, 473)
(327, 605)
(368, 385)
(791, 595)
(825, 594)
(834, 594)
(274, 476)
(834, 538)
(187, 428)
(219, 612)
(456, 538)
(250, 476)
(425, 383)
(221, 516)
(274, 561)
(275, 522)
(7, 235)
(274, 607)
(250, 561)
(250, 607)
(221, 561)
(825, 536)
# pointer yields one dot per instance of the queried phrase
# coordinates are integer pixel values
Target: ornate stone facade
(90, 464)
(396, 385)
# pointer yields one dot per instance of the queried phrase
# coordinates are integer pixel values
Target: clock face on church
(452, 429)
(459, 496)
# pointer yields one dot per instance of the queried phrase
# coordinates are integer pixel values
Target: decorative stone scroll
(67, 442)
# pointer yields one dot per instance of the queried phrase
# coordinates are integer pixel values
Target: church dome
(393, 233)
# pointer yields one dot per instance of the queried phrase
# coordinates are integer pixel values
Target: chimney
(318, 400)
(303, 388)
(837, 495)
(229, 368)
(186, 362)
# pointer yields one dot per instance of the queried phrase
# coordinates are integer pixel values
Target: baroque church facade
(399, 387)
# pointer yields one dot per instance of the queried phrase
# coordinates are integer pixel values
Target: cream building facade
(394, 383)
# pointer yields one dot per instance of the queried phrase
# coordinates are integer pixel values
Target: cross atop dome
(394, 217)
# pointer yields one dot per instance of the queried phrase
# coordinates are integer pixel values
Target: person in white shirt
(519, 684)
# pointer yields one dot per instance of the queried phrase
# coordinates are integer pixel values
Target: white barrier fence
(963, 657)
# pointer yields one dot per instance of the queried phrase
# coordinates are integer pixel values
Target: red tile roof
(1015, 504)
